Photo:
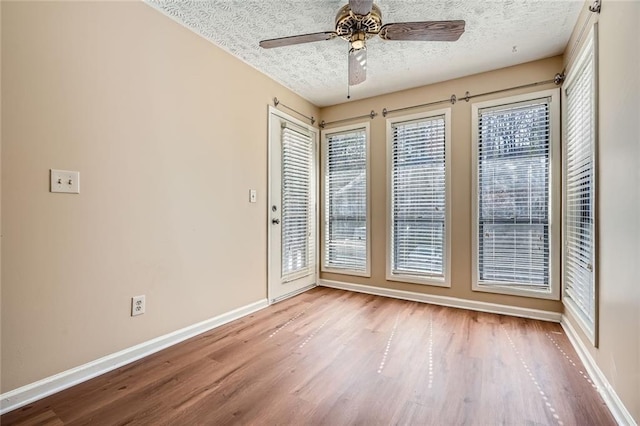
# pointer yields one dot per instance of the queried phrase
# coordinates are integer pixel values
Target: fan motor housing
(348, 23)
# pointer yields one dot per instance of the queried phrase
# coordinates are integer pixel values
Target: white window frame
(324, 136)
(554, 193)
(445, 280)
(590, 328)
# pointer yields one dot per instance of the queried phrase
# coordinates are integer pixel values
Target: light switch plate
(65, 181)
(253, 195)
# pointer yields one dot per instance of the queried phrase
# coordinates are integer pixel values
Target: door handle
(275, 221)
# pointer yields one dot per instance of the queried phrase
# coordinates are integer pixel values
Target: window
(418, 198)
(346, 202)
(515, 195)
(579, 189)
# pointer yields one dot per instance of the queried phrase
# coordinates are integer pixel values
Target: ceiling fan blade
(423, 31)
(297, 39)
(357, 66)
(361, 7)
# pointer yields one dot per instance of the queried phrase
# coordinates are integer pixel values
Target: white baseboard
(452, 302)
(617, 408)
(34, 391)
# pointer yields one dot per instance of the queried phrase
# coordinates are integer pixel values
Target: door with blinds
(292, 206)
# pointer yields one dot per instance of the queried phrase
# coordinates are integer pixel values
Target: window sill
(498, 288)
(329, 270)
(432, 281)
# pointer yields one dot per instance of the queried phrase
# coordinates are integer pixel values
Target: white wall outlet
(65, 181)
(253, 195)
(138, 305)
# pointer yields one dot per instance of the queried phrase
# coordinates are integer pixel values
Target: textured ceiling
(318, 71)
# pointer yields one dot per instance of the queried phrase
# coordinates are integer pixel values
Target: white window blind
(513, 204)
(298, 204)
(579, 285)
(345, 174)
(418, 198)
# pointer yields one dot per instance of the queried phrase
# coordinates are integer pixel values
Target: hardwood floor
(333, 357)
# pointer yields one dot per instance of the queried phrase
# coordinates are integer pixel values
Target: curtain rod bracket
(275, 101)
(558, 79)
(372, 114)
(384, 112)
(322, 124)
(453, 99)
(466, 96)
(596, 7)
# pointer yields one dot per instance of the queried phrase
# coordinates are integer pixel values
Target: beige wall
(461, 173)
(169, 134)
(618, 354)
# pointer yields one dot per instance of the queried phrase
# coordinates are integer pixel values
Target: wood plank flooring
(331, 357)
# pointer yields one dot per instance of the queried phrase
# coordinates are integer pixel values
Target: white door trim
(272, 111)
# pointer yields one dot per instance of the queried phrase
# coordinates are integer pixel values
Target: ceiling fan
(360, 20)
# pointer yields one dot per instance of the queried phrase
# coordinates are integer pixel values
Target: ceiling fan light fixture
(358, 40)
(357, 45)
(359, 20)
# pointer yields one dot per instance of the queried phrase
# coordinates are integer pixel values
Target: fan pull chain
(348, 91)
